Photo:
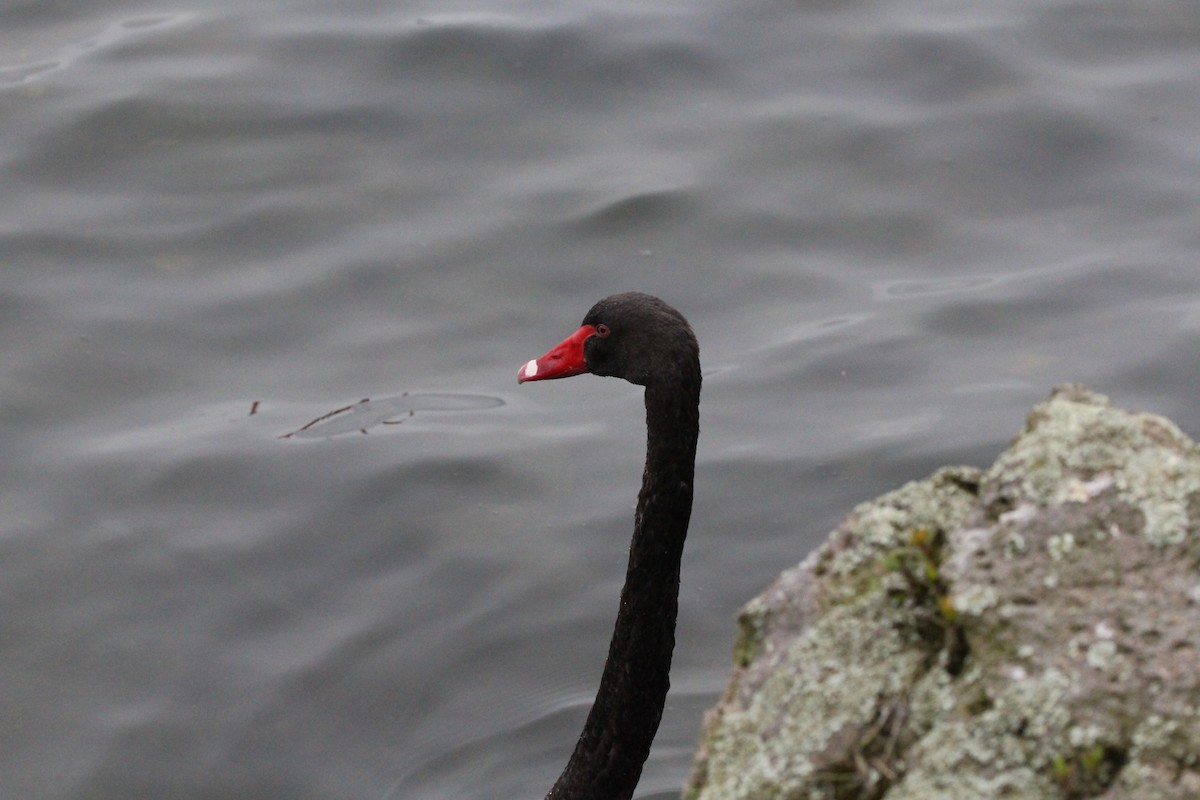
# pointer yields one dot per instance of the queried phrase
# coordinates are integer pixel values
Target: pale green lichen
(1152, 463)
(1086, 736)
(1102, 654)
(854, 653)
(1154, 733)
(1051, 563)
(1158, 481)
(994, 753)
(1059, 546)
(1014, 545)
(1019, 784)
(887, 523)
(974, 600)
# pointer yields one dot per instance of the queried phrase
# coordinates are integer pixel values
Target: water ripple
(889, 290)
(67, 55)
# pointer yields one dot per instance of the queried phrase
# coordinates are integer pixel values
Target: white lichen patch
(1019, 784)
(1103, 654)
(1007, 739)
(937, 693)
(888, 523)
(974, 600)
(1060, 545)
(1166, 523)
(850, 658)
(1155, 733)
(1081, 736)
(1014, 545)
(879, 528)
(1081, 446)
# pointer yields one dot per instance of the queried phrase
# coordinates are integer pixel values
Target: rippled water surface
(894, 225)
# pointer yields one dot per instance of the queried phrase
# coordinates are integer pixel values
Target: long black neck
(616, 739)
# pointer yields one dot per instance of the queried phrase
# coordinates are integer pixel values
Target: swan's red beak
(563, 360)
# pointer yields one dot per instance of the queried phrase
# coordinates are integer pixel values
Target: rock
(1029, 632)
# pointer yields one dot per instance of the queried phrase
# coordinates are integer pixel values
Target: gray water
(894, 225)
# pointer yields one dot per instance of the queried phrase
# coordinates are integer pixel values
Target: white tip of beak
(528, 371)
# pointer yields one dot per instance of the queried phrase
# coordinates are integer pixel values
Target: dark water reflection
(893, 227)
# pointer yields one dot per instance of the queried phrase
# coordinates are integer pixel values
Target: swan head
(633, 336)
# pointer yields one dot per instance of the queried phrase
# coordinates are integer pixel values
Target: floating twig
(324, 417)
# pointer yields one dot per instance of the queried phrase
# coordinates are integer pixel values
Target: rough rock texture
(1028, 632)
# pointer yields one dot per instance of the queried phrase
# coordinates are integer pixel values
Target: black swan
(643, 340)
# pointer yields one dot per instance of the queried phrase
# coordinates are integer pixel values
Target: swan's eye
(602, 330)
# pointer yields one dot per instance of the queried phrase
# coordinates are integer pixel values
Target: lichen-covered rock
(1031, 632)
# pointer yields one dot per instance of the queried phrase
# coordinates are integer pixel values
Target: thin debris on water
(366, 413)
